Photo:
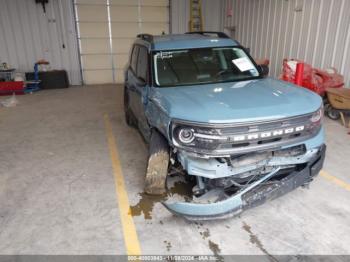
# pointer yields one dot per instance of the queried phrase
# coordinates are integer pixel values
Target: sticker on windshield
(164, 55)
(243, 64)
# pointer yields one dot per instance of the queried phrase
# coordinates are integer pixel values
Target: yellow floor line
(335, 180)
(130, 235)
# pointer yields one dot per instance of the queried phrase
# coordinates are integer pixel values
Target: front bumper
(209, 167)
(255, 194)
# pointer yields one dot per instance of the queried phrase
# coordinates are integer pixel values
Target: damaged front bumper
(253, 195)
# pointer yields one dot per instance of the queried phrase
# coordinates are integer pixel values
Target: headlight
(186, 135)
(315, 121)
(317, 116)
(193, 136)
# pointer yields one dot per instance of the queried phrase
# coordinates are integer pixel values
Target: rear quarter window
(133, 62)
(142, 64)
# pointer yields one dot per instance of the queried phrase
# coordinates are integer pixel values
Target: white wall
(27, 34)
(211, 12)
(317, 31)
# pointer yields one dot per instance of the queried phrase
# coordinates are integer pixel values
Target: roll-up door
(107, 29)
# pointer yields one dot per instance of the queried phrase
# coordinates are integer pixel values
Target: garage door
(107, 29)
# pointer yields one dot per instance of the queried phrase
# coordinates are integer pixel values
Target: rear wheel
(158, 162)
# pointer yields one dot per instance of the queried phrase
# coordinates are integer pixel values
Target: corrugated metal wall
(211, 12)
(28, 34)
(317, 31)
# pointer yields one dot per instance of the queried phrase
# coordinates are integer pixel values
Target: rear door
(131, 82)
(142, 88)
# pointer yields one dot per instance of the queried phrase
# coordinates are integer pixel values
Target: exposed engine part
(241, 166)
(200, 188)
(176, 169)
(254, 158)
(243, 179)
(247, 176)
(249, 159)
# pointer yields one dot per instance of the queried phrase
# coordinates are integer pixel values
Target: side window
(134, 55)
(142, 64)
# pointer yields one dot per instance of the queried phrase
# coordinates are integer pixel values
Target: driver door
(139, 89)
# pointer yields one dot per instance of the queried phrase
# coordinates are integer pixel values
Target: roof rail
(146, 37)
(218, 34)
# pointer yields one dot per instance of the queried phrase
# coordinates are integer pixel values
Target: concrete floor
(58, 195)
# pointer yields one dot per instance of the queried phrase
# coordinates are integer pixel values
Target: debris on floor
(205, 234)
(214, 248)
(168, 245)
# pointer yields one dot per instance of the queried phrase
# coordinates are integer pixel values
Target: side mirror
(264, 70)
(247, 49)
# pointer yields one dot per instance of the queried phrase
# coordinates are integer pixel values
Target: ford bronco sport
(204, 105)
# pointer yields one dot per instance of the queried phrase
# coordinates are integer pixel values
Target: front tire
(158, 162)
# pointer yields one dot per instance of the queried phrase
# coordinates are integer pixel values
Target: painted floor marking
(335, 180)
(129, 230)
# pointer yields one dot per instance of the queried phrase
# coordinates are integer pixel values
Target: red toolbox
(10, 87)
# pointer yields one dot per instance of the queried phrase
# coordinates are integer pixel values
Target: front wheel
(158, 162)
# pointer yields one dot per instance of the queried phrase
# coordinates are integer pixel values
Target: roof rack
(145, 37)
(218, 34)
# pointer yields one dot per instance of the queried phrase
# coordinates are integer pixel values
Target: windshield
(201, 66)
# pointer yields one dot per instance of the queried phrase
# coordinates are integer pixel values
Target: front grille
(247, 137)
(280, 132)
(264, 126)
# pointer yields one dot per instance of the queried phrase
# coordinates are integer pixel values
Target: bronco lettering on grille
(266, 134)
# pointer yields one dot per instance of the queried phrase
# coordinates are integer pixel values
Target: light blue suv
(207, 109)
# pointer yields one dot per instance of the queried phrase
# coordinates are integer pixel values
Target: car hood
(254, 100)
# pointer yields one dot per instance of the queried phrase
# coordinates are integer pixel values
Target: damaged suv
(204, 106)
